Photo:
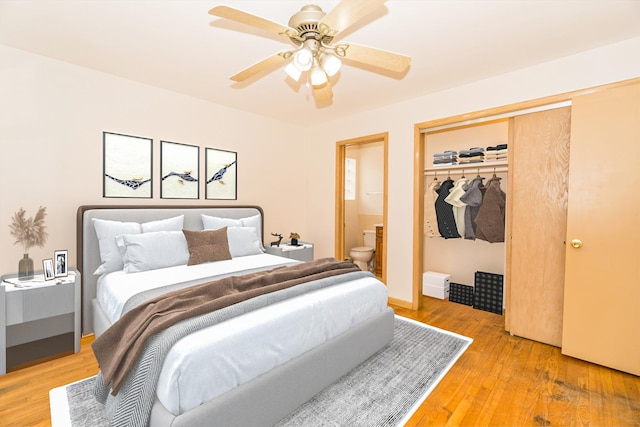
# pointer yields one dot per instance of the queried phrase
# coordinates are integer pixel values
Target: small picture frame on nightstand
(47, 268)
(61, 263)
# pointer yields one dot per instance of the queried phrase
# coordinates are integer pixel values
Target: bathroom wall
(367, 209)
(371, 186)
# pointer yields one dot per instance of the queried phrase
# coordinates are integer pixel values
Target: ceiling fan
(312, 32)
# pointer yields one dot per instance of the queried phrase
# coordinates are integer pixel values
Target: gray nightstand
(301, 253)
(38, 319)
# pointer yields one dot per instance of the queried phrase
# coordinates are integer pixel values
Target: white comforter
(214, 360)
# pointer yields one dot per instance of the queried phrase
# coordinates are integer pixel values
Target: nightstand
(38, 318)
(304, 252)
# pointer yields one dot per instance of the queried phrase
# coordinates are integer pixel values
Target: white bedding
(240, 349)
(115, 289)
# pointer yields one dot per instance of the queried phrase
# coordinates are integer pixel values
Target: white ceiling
(177, 45)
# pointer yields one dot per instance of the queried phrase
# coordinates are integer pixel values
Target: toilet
(362, 255)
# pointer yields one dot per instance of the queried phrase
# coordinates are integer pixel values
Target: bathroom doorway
(361, 202)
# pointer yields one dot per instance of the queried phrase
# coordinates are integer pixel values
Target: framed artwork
(127, 166)
(60, 258)
(179, 171)
(47, 268)
(221, 168)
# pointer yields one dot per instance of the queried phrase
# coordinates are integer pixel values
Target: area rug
(383, 391)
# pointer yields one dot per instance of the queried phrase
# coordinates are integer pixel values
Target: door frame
(341, 151)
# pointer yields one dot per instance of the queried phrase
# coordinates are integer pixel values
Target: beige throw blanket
(118, 347)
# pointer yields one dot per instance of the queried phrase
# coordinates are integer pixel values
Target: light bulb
(293, 71)
(303, 59)
(330, 63)
(318, 76)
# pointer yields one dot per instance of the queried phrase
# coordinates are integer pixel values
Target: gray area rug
(383, 391)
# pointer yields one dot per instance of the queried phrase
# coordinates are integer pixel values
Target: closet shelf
(470, 168)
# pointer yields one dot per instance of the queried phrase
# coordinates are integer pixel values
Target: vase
(25, 268)
(294, 242)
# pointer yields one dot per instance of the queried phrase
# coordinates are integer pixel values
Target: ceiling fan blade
(345, 14)
(238, 15)
(267, 64)
(322, 93)
(377, 57)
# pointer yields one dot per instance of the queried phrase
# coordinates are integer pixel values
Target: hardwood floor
(500, 380)
(503, 380)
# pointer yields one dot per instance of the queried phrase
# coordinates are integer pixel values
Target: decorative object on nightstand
(294, 239)
(28, 232)
(276, 243)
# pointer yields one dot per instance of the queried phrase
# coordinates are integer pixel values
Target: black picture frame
(127, 166)
(61, 259)
(179, 170)
(221, 168)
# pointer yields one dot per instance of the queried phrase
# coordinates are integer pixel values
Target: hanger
(478, 175)
(462, 174)
(494, 173)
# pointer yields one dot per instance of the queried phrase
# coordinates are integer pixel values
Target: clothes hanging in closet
(459, 207)
(430, 217)
(491, 215)
(444, 211)
(473, 198)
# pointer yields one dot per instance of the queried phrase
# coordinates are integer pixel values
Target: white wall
(52, 115)
(608, 64)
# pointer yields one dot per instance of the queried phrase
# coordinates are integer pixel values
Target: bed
(319, 335)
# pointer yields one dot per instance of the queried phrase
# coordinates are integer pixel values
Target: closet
(572, 251)
(460, 257)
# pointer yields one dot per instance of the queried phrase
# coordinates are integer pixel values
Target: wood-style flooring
(501, 380)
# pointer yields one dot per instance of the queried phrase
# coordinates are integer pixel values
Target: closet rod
(469, 172)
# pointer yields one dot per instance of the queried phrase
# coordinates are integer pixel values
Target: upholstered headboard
(88, 252)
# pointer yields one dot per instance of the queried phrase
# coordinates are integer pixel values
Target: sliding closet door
(602, 283)
(538, 164)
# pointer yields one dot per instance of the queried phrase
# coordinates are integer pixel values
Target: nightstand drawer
(34, 304)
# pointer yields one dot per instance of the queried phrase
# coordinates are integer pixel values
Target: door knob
(576, 243)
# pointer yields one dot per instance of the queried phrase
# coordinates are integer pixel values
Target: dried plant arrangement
(29, 232)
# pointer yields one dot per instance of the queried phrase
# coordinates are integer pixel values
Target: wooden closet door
(602, 282)
(538, 170)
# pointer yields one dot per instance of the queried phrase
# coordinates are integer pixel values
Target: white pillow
(107, 231)
(169, 224)
(151, 251)
(243, 241)
(214, 223)
(110, 253)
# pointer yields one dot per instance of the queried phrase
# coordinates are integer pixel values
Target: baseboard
(400, 303)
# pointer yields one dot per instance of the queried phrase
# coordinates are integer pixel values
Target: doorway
(366, 208)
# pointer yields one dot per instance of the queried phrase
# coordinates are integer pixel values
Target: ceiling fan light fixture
(330, 63)
(293, 71)
(318, 76)
(303, 59)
